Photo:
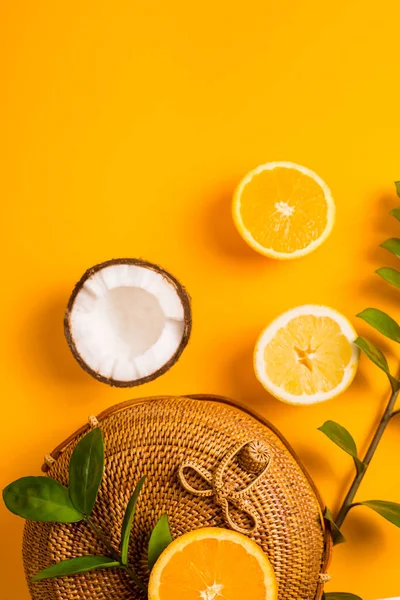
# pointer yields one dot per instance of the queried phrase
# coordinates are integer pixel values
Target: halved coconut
(127, 321)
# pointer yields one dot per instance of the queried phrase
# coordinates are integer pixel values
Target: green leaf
(373, 353)
(392, 245)
(160, 538)
(73, 566)
(40, 499)
(86, 471)
(341, 596)
(392, 276)
(342, 438)
(128, 521)
(397, 184)
(395, 212)
(378, 358)
(388, 510)
(337, 535)
(381, 322)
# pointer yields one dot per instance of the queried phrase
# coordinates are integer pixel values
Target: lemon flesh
(307, 355)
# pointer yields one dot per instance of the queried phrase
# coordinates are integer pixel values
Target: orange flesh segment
(308, 356)
(212, 569)
(270, 196)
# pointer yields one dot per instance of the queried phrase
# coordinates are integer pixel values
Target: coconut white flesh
(127, 321)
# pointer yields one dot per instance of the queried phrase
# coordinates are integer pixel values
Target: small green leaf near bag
(40, 499)
(388, 510)
(381, 322)
(159, 540)
(128, 521)
(337, 535)
(73, 566)
(342, 438)
(86, 471)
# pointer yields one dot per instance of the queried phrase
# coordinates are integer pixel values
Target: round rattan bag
(208, 462)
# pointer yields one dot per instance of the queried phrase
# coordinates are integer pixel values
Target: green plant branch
(396, 412)
(45, 500)
(115, 555)
(348, 501)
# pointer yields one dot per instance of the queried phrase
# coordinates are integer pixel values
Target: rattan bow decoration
(253, 457)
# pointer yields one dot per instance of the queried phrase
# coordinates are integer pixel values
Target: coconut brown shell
(185, 300)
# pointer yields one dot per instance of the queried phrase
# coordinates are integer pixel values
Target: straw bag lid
(208, 462)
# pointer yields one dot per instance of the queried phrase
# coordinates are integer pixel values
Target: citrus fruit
(283, 210)
(307, 355)
(212, 563)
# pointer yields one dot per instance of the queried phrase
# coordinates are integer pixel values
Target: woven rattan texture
(153, 438)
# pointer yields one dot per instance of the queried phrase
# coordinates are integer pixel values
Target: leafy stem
(116, 556)
(348, 501)
(46, 500)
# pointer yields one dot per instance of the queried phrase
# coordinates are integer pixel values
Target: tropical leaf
(392, 245)
(392, 276)
(396, 211)
(397, 184)
(373, 353)
(128, 521)
(159, 540)
(337, 535)
(378, 358)
(73, 566)
(388, 510)
(86, 471)
(381, 322)
(342, 438)
(40, 499)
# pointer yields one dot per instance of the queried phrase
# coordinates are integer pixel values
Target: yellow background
(126, 127)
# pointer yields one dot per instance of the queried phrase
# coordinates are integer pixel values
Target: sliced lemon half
(283, 210)
(307, 355)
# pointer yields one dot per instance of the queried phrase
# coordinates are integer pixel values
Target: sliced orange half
(307, 355)
(213, 564)
(283, 210)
